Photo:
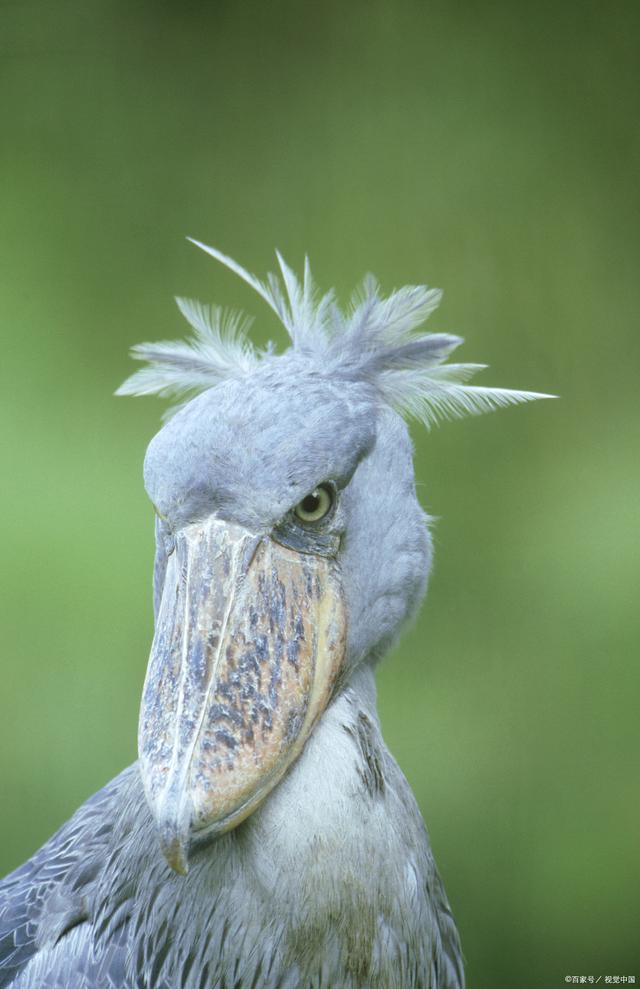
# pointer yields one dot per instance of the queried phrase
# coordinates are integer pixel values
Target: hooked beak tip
(174, 828)
(176, 853)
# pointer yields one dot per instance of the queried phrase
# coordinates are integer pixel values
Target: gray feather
(372, 343)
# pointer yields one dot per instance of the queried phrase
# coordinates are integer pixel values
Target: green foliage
(489, 149)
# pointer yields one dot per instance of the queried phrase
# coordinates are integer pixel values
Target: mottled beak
(250, 637)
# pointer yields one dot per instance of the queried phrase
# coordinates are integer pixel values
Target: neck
(327, 761)
(325, 799)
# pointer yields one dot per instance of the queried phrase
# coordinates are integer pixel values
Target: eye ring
(316, 505)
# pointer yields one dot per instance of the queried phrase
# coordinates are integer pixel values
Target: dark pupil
(310, 504)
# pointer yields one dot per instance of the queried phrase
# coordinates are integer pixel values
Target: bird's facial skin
(250, 639)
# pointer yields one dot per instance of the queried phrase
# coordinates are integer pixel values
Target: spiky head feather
(373, 341)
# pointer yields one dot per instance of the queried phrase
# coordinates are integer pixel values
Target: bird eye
(315, 505)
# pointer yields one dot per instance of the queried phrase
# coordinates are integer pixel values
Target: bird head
(290, 545)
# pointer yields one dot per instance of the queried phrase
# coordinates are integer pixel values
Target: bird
(266, 838)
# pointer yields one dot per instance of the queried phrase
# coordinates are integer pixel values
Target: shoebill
(266, 838)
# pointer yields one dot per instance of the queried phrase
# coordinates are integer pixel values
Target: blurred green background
(489, 149)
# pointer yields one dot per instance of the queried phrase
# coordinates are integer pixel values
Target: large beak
(249, 640)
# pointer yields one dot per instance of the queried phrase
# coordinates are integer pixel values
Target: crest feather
(440, 393)
(373, 342)
(219, 350)
(271, 292)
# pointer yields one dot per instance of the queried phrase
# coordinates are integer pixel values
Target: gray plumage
(329, 882)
